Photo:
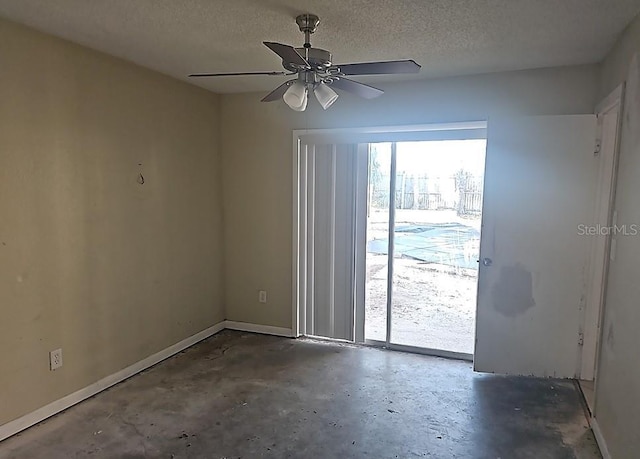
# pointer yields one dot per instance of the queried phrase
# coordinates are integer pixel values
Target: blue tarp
(441, 243)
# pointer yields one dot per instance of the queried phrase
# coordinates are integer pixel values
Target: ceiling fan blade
(287, 53)
(380, 68)
(278, 92)
(197, 75)
(360, 89)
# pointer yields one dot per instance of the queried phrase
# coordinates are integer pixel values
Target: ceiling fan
(315, 72)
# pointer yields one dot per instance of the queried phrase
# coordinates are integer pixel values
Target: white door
(538, 201)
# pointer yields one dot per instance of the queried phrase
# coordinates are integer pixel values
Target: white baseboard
(254, 328)
(17, 425)
(600, 439)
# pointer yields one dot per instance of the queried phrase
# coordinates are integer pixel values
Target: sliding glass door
(423, 233)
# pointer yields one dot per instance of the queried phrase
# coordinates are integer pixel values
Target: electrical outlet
(262, 296)
(55, 359)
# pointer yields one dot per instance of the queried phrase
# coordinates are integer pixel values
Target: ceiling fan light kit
(325, 95)
(315, 72)
(296, 96)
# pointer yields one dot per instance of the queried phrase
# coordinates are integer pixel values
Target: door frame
(387, 343)
(362, 135)
(601, 248)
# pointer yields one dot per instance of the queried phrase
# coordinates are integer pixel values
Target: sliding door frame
(301, 285)
(387, 343)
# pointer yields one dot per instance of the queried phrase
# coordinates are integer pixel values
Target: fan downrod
(308, 24)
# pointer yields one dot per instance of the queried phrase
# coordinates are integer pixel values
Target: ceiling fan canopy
(314, 71)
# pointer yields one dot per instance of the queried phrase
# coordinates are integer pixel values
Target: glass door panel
(438, 203)
(377, 242)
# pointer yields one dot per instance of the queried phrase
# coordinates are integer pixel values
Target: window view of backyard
(438, 203)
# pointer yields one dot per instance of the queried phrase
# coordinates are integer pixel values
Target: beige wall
(258, 160)
(91, 261)
(618, 380)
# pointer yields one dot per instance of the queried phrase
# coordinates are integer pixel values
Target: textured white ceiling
(447, 37)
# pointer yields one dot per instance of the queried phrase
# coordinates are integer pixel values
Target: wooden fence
(466, 201)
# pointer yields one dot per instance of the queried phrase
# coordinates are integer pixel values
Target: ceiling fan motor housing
(319, 59)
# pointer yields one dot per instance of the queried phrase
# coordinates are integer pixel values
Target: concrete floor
(244, 395)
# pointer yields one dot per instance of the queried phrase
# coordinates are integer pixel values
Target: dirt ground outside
(434, 282)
